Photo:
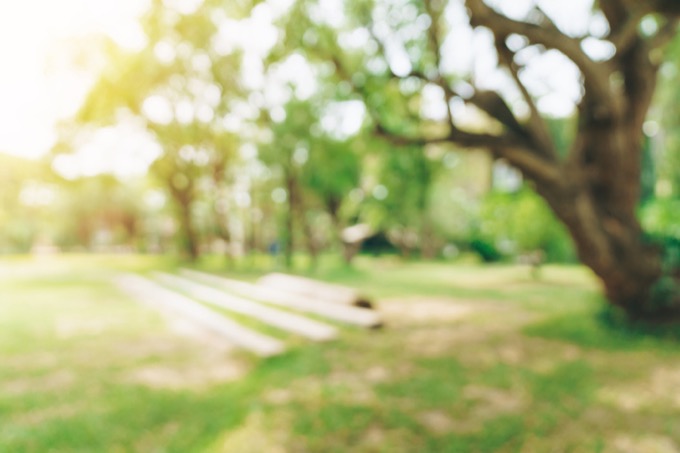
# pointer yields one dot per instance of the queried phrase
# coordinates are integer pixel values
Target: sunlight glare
(125, 150)
(36, 92)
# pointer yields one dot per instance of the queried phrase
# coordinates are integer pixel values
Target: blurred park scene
(340, 226)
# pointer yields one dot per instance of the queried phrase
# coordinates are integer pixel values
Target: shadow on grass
(179, 421)
(606, 328)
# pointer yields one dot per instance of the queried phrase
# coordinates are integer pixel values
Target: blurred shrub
(486, 250)
(378, 244)
(17, 236)
(661, 217)
(513, 224)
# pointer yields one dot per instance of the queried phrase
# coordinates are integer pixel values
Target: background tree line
(362, 116)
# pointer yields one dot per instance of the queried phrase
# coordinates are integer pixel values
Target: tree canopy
(396, 54)
(353, 97)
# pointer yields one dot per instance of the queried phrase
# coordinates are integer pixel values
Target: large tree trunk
(311, 242)
(616, 251)
(223, 232)
(595, 189)
(287, 235)
(332, 205)
(188, 231)
(428, 240)
(183, 197)
(597, 201)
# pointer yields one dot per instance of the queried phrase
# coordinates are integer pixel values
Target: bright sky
(37, 85)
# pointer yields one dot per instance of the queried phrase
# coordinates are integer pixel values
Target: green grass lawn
(472, 359)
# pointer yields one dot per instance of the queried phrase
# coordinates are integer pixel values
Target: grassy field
(473, 359)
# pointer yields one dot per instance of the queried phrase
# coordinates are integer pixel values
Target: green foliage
(460, 185)
(606, 328)
(661, 217)
(28, 192)
(406, 176)
(562, 131)
(425, 383)
(667, 113)
(648, 173)
(318, 170)
(332, 170)
(195, 86)
(485, 249)
(521, 222)
(83, 217)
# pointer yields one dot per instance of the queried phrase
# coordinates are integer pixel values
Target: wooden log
(342, 313)
(290, 322)
(149, 292)
(315, 289)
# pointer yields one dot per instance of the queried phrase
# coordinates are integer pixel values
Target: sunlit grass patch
(515, 366)
(74, 353)
(588, 328)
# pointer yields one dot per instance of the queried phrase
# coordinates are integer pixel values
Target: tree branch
(634, 53)
(596, 75)
(435, 46)
(625, 33)
(537, 125)
(665, 34)
(616, 13)
(668, 7)
(489, 102)
(512, 146)
(507, 147)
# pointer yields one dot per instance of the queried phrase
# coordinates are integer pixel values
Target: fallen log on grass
(315, 289)
(337, 312)
(283, 320)
(149, 292)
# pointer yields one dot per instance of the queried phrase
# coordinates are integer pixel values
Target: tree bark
(597, 199)
(309, 233)
(288, 242)
(183, 197)
(189, 236)
(615, 249)
(428, 240)
(595, 189)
